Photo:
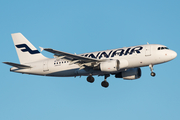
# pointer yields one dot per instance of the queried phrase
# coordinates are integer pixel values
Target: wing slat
(72, 56)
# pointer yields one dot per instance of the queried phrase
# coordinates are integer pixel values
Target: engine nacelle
(113, 65)
(130, 74)
(110, 66)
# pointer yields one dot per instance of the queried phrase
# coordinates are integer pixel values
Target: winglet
(41, 48)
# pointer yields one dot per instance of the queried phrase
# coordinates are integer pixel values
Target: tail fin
(26, 51)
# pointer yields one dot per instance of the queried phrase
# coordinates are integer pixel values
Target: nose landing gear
(152, 73)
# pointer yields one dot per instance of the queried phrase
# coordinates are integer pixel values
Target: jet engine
(113, 65)
(109, 66)
(129, 74)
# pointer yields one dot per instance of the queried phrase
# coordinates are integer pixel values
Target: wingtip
(41, 48)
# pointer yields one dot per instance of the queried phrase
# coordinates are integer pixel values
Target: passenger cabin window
(162, 48)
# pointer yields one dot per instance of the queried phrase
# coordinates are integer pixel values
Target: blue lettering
(136, 49)
(127, 51)
(92, 55)
(105, 55)
(86, 55)
(119, 52)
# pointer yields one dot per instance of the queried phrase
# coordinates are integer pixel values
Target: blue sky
(85, 26)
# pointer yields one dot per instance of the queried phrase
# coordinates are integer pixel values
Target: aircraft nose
(173, 54)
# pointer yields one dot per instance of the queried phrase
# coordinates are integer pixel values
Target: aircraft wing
(17, 65)
(73, 57)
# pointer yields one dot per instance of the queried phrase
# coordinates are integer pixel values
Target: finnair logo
(117, 52)
(27, 49)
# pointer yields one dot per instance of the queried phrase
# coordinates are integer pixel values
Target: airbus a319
(122, 62)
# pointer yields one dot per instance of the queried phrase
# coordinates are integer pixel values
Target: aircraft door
(45, 66)
(148, 50)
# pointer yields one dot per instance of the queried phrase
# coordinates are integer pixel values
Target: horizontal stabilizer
(17, 65)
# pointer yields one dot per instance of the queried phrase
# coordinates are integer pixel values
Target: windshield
(163, 48)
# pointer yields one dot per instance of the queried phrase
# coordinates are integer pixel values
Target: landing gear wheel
(105, 84)
(90, 79)
(153, 74)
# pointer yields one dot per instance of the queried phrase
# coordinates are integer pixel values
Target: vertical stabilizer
(27, 53)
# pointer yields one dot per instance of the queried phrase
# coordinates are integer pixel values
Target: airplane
(122, 62)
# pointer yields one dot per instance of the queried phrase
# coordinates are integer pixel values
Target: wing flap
(17, 65)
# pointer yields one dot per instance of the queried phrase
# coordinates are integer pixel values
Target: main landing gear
(90, 79)
(152, 73)
(104, 83)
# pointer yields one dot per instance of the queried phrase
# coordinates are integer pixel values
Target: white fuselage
(132, 57)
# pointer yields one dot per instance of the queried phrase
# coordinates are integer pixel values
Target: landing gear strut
(90, 79)
(152, 73)
(105, 83)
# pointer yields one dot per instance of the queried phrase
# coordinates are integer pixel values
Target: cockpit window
(162, 48)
